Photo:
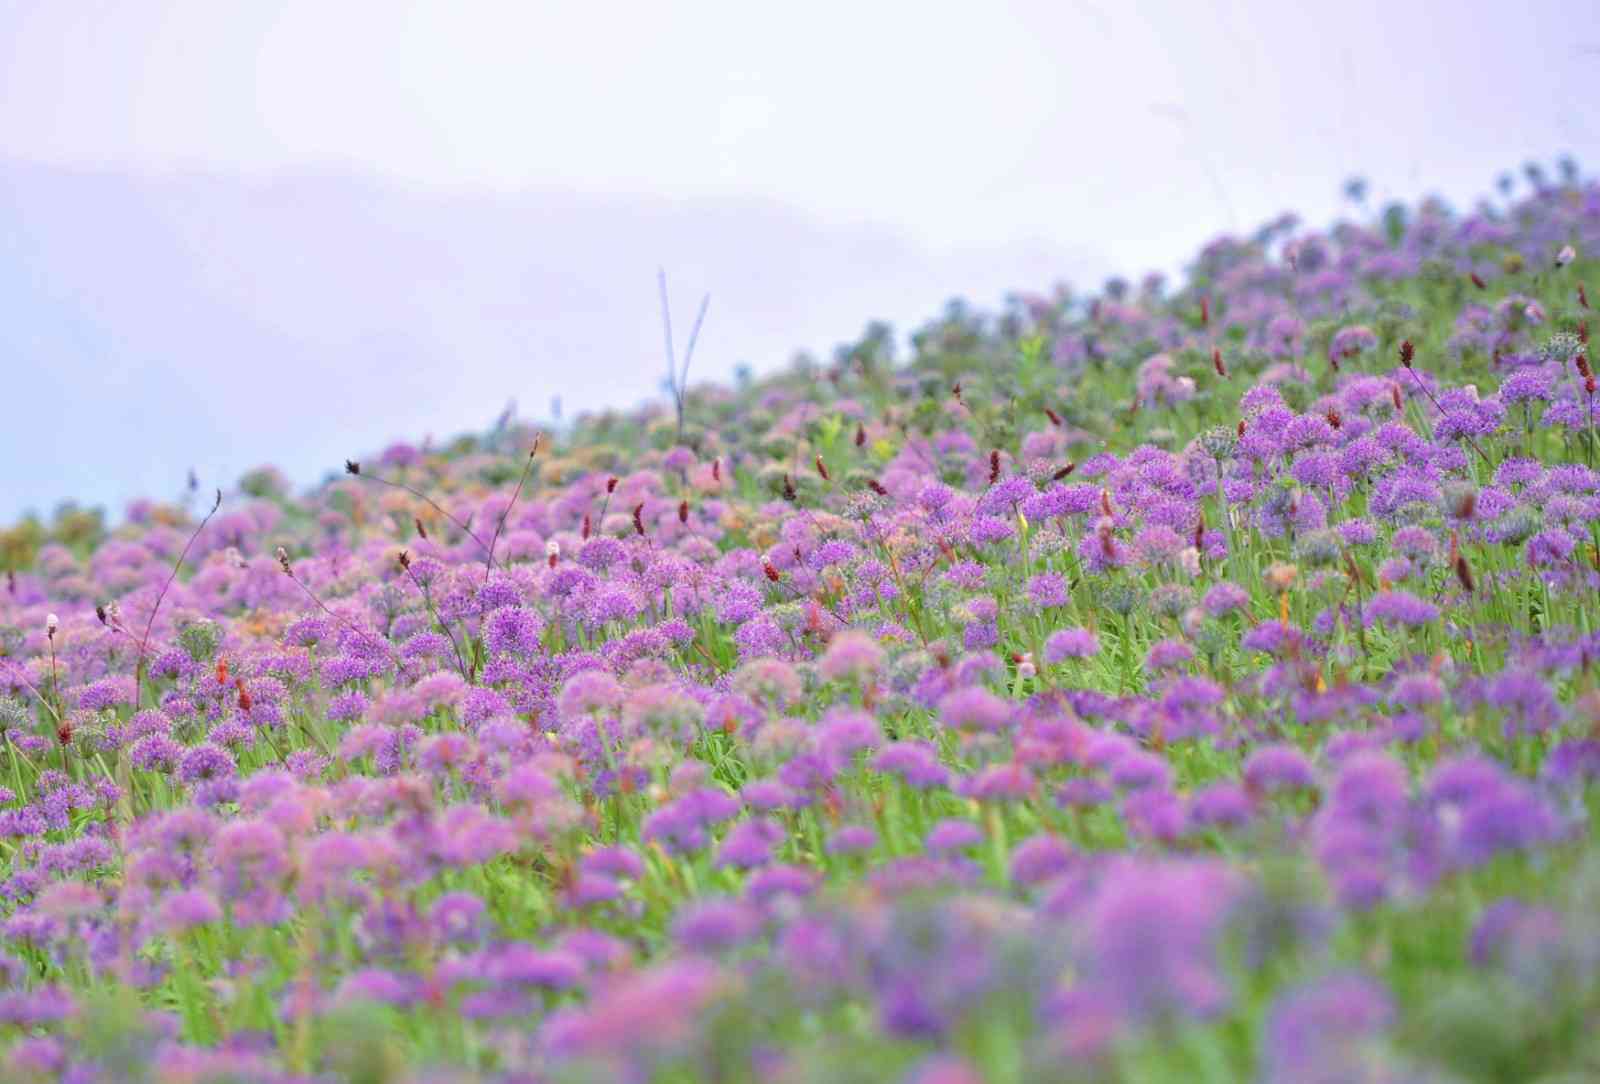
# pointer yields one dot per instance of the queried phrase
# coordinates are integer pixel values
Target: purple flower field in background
(1159, 684)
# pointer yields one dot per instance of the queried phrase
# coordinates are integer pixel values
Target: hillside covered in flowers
(1166, 683)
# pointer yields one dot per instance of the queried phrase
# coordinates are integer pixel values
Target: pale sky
(968, 148)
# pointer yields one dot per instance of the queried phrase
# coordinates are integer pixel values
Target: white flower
(552, 548)
(1566, 255)
(1189, 558)
(51, 623)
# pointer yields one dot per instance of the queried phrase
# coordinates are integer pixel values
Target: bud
(283, 561)
(1281, 576)
(552, 552)
(1566, 255)
(51, 624)
(1025, 666)
(769, 570)
(822, 468)
(100, 612)
(788, 490)
(404, 560)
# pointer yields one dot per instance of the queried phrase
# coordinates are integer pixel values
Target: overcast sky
(968, 148)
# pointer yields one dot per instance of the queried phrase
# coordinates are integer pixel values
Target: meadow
(1156, 683)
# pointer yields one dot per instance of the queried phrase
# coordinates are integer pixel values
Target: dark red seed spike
(769, 571)
(1407, 352)
(1216, 362)
(683, 511)
(1205, 311)
(638, 518)
(1241, 427)
(877, 487)
(716, 469)
(994, 466)
(611, 485)
(1063, 472)
(861, 434)
(352, 467)
(956, 391)
(1478, 281)
(100, 612)
(822, 469)
(1055, 419)
(422, 532)
(584, 531)
(1334, 419)
(1394, 397)
(788, 489)
(1583, 295)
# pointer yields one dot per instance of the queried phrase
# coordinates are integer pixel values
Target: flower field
(1192, 684)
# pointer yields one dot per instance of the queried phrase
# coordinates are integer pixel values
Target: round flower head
(852, 656)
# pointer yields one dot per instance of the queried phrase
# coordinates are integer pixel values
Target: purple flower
(1319, 1031)
(1074, 643)
(1273, 768)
